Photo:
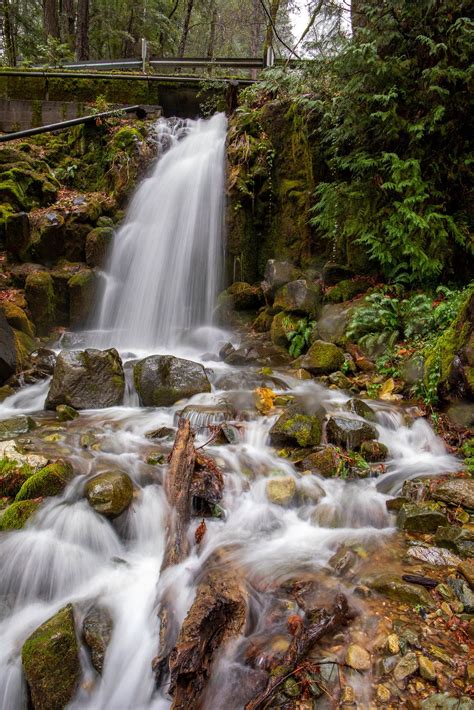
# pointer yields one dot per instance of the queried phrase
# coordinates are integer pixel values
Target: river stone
(322, 358)
(43, 361)
(373, 450)
(278, 273)
(393, 586)
(87, 379)
(333, 322)
(434, 556)
(459, 492)
(298, 296)
(463, 593)
(34, 461)
(421, 517)
(281, 491)
(15, 426)
(349, 433)
(358, 658)
(161, 380)
(427, 669)
(109, 493)
(466, 568)
(51, 662)
(7, 349)
(50, 481)
(66, 413)
(326, 462)
(206, 415)
(406, 666)
(97, 631)
(361, 408)
(296, 428)
(443, 701)
(15, 516)
(458, 540)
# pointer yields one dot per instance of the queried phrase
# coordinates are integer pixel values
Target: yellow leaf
(385, 392)
(264, 398)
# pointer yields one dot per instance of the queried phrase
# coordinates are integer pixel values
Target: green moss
(346, 290)
(39, 292)
(36, 113)
(12, 476)
(50, 481)
(282, 324)
(126, 137)
(16, 515)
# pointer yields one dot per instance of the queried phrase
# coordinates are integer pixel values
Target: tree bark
(67, 22)
(82, 36)
(184, 33)
(8, 35)
(50, 18)
(212, 31)
(358, 17)
(275, 6)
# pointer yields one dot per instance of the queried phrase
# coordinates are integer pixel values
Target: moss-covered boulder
(449, 363)
(327, 462)
(15, 516)
(87, 379)
(299, 296)
(12, 476)
(283, 324)
(263, 322)
(109, 493)
(17, 318)
(421, 517)
(82, 293)
(50, 658)
(458, 492)
(39, 293)
(17, 233)
(281, 491)
(66, 413)
(24, 346)
(50, 481)
(244, 296)
(346, 290)
(278, 273)
(394, 587)
(97, 631)
(373, 450)
(296, 428)
(98, 243)
(7, 349)
(15, 426)
(162, 380)
(361, 408)
(321, 359)
(48, 238)
(349, 433)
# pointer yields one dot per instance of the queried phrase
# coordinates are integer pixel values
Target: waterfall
(165, 267)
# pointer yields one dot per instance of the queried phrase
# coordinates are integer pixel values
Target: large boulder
(394, 587)
(51, 663)
(281, 491)
(296, 428)
(322, 358)
(278, 273)
(244, 297)
(423, 517)
(16, 515)
(109, 493)
(162, 380)
(39, 292)
(50, 481)
(7, 350)
(298, 296)
(87, 379)
(17, 233)
(349, 433)
(17, 318)
(459, 492)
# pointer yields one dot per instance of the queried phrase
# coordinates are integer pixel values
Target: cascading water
(165, 267)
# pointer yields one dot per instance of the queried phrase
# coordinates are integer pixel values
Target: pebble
(393, 644)
(358, 658)
(405, 667)
(470, 673)
(466, 568)
(427, 669)
(383, 693)
(347, 695)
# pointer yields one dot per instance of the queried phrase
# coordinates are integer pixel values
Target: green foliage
(299, 339)
(53, 52)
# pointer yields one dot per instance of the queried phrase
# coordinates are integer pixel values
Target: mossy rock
(456, 539)
(126, 137)
(50, 658)
(109, 493)
(263, 322)
(349, 433)
(327, 462)
(421, 517)
(281, 491)
(50, 481)
(39, 293)
(283, 324)
(17, 514)
(162, 380)
(16, 229)
(16, 426)
(296, 428)
(98, 243)
(346, 290)
(82, 293)
(299, 296)
(394, 587)
(12, 476)
(361, 408)
(17, 318)
(373, 451)
(244, 296)
(66, 413)
(322, 358)
(24, 346)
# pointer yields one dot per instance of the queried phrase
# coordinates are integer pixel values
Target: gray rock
(321, 359)
(298, 296)
(97, 631)
(463, 593)
(406, 666)
(349, 433)
(87, 379)
(394, 587)
(443, 701)
(459, 492)
(109, 493)
(435, 556)
(162, 380)
(15, 426)
(296, 428)
(333, 321)
(279, 273)
(421, 517)
(361, 408)
(7, 349)
(458, 540)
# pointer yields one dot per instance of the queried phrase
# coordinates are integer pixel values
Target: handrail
(120, 77)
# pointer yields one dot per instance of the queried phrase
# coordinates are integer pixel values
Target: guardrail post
(269, 57)
(144, 54)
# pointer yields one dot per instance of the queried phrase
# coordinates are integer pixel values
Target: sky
(299, 19)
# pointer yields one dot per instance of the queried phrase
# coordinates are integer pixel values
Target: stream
(67, 552)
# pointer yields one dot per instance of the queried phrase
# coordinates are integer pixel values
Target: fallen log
(306, 634)
(217, 615)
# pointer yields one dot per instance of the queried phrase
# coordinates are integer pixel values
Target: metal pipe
(119, 77)
(139, 110)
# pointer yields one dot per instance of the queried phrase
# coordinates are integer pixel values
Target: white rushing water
(162, 279)
(165, 267)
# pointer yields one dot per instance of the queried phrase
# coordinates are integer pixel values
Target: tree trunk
(67, 22)
(82, 36)
(275, 6)
(8, 35)
(212, 31)
(184, 34)
(50, 18)
(128, 42)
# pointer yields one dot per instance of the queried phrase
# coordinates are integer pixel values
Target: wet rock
(291, 688)
(299, 296)
(16, 515)
(244, 297)
(333, 322)
(347, 289)
(39, 293)
(326, 462)
(202, 415)
(322, 358)
(358, 658)
(242, 356)
(459, 492)
(393, 586)
(463, 593)
(421, 517)
(435, 556)
(163, 432)
(50, 660)
(406, 666)
(66, 413)
(50, 481)
(373, 450)
(98, 243)
(443, 701)
(466, 568)
(283, 324)
(12, 477)
(393, 644)
(87, 379)
(427, 669)
(33, 461)
(7, 350)
(349, 433)
(278, 273)
(82, 288)
(281, 491)
(296, 428)
(339, 380)
(458, 540)
(17, 233)
(97, 631)
(231, 434)
(43, 361)
(263, 322)
(461, 414)
(161, 380)
(109, 493)
(17, 318)
(16, 426)
(361, 408)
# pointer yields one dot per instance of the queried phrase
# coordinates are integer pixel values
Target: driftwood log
(306, 635)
